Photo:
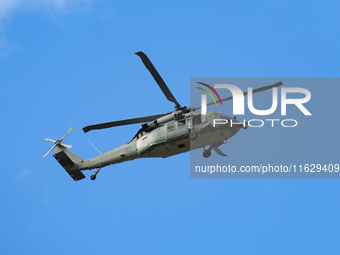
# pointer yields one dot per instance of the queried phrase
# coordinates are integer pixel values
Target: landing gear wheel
(94, 176)
(207, 154)
(193, 135)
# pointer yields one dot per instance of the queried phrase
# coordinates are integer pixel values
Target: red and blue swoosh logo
(209, 93)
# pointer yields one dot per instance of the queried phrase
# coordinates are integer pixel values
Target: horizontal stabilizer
(67, 163)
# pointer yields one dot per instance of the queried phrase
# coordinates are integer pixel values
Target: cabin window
(171, 127)
(181, 124)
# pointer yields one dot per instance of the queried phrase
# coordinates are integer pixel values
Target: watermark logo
(238, 100)
(208, 92)
(264, 126)
(301, 96)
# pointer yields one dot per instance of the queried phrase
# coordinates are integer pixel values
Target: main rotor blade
(157, 77)
(278, 84)
(122, 122)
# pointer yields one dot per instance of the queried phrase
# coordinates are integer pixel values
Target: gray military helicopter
(161, 135)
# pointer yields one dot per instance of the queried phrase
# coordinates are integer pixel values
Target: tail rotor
(58, 142)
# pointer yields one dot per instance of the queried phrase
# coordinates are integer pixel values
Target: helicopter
(160, 136)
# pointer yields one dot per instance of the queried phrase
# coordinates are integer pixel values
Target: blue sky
(72, 63)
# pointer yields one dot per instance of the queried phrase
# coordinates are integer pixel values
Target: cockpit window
(138, 135)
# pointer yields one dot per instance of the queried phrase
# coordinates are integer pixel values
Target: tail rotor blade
(58, 142)
(66, 145)
(66, 133)
(50, 150)
(50, 140)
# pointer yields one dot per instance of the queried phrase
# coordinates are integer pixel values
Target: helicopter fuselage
(168, 139)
